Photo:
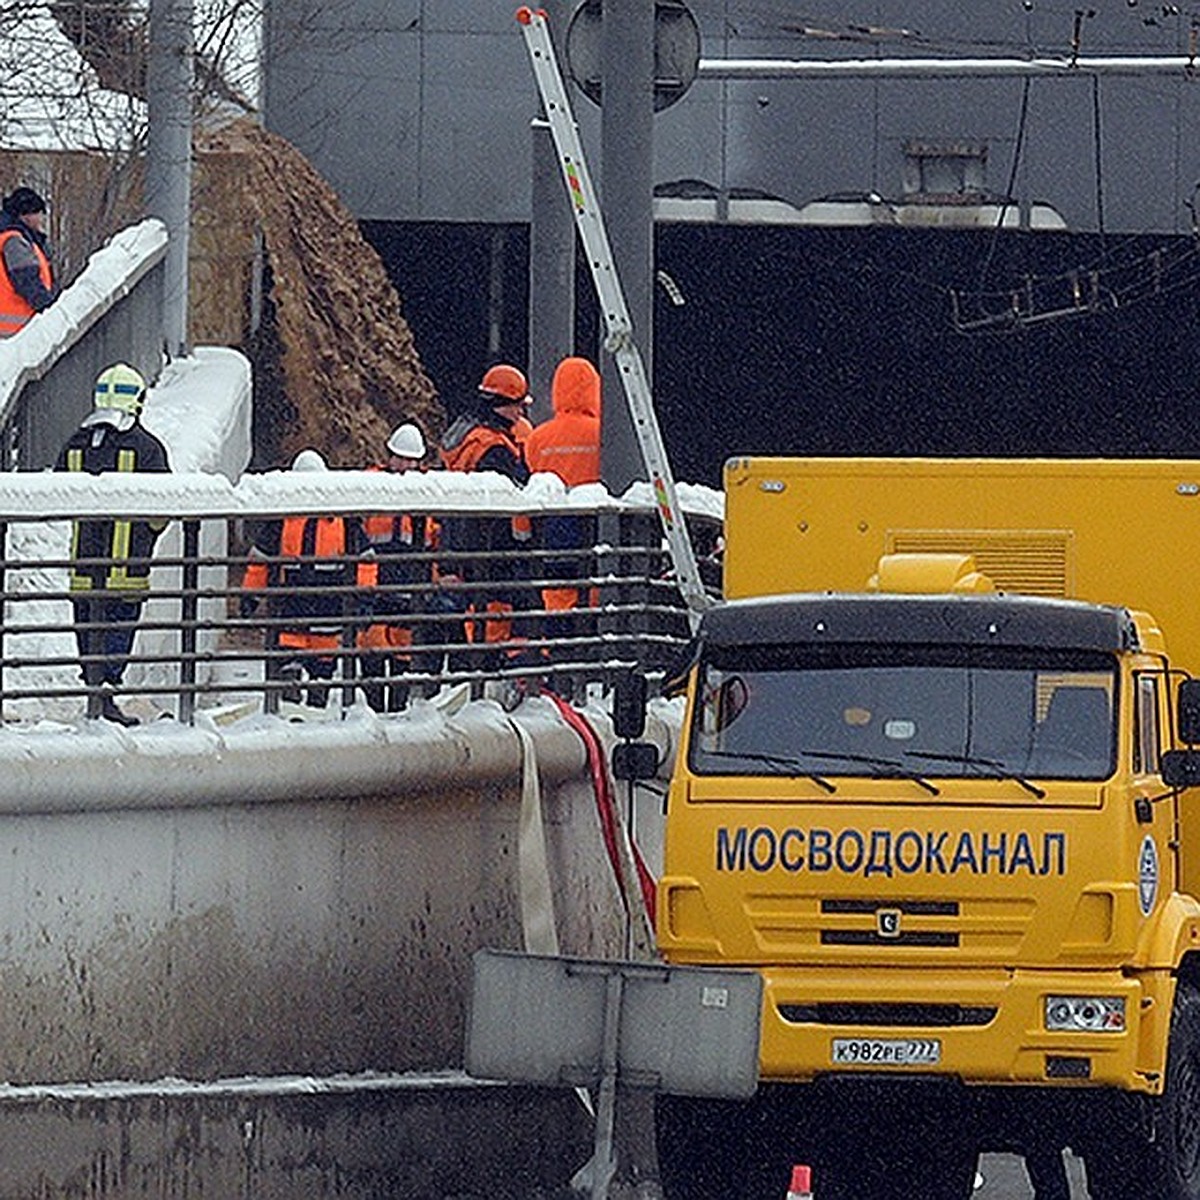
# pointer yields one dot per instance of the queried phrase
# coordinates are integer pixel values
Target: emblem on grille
(887, 922)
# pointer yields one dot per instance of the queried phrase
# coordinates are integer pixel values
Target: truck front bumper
(983, 1027)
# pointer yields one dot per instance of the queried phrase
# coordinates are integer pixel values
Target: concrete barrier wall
(425, 1139)
(237, 964)
(201, 904)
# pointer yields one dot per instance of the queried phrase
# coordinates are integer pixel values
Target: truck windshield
(903, 710)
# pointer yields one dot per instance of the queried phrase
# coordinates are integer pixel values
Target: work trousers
(104, 630)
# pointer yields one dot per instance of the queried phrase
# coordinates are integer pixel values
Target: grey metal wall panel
(687, 137)
(475, 160)
(419, 109)
(344, 85)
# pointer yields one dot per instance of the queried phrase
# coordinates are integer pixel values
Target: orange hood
(576, 388)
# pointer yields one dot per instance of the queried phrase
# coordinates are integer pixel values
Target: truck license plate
(887, 1052)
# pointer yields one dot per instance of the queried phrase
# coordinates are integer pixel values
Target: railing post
(188, 609)
(4, 611)
(347, 660)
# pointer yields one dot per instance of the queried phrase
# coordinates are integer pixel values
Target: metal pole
(169, 74)
(603, 1161)
(551, 252)
(626, 191)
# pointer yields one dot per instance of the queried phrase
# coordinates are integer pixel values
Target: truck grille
(868, 937)
(1035, 562)
(988, 928)
(928, 908)
(926, 1016)
(872, 937)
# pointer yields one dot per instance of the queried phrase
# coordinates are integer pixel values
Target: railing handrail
(59, 496)
(112, 272)
(469, 615)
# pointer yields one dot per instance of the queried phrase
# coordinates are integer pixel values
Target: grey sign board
(687, 1030)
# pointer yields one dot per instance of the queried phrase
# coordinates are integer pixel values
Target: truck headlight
(1085, 1014)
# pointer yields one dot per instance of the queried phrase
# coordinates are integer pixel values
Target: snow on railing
(198, 646)
(112, 272)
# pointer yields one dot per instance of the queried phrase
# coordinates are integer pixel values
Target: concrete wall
(260, 904)
(240, 966)
(420, 1140)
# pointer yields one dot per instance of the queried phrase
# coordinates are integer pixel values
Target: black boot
(110, 712)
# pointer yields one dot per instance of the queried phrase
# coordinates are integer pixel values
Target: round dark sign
(676, 50)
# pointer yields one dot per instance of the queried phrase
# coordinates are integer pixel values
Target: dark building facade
(983, 265)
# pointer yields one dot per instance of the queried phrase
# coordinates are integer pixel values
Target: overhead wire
(1107, 281)
(1098, 144)
(1018, 146)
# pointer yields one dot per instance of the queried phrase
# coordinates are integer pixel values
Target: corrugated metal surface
(1034, 563)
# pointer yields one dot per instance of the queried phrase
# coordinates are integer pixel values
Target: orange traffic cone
(801, 1186)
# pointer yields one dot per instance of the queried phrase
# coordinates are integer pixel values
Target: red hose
(606, 805)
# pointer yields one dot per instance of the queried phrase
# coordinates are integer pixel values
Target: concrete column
(626, 193)
(169, 154)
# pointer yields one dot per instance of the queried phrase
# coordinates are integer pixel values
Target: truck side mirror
(1180, 768)
(629, 706)
(635, 760)
(1189, 711)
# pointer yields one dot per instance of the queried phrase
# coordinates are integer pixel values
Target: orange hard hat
(506, 381)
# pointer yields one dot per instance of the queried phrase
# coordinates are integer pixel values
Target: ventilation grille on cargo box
(1033, 562)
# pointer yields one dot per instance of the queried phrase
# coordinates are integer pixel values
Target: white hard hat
(406, 442)
(309, 460)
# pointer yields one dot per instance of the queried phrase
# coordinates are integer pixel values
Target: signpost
(604, 1024)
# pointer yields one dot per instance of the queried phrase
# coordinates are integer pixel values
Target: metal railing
(110, 313)
(198, 649)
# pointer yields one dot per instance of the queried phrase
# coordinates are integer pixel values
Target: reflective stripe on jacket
(97, 448)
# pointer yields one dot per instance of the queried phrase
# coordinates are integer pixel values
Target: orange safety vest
(322, 537)
(15, 310)
(466, 455)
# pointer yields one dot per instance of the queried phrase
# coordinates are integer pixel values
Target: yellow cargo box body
(1109, 532)
(918, 916)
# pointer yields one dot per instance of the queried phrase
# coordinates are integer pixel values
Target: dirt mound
(336, 365)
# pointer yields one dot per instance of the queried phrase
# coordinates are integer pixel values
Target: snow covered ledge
(261, 759)
(111, 273)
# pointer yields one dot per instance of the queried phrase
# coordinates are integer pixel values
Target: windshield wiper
(777, 760)
(969, 760)
(870, 760)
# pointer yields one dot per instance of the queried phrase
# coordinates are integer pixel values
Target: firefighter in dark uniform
(489, 438)
(109, 592)
(326, 553)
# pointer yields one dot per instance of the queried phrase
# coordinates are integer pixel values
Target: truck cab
(932, 814)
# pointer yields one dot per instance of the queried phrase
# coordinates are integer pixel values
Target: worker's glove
(247, 606)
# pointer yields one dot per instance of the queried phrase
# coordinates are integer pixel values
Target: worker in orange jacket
(487, 438)
(568, 444)
(26, 276)
(399, 542)
(296, 559)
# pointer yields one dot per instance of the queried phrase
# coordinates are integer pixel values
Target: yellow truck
(933, 785)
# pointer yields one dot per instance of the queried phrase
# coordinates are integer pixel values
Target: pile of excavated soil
(336, 365)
